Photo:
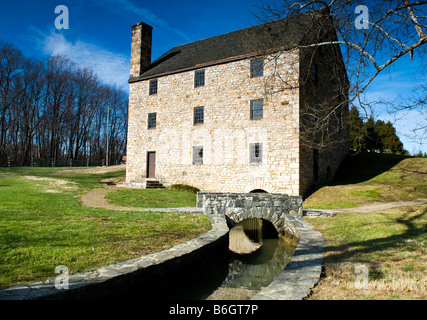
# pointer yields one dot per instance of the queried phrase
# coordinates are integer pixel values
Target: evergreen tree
(373, 135)
(372, 139)
(390, 141)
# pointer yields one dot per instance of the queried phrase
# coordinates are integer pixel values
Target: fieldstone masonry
(228, 129)
(237, 207)
(226, 133)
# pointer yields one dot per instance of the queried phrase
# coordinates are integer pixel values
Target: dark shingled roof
(270, 36)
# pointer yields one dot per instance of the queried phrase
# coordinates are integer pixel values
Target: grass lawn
(390, 245)
(43, 225)
(151, 198)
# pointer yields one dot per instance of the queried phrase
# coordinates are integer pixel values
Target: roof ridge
(221, 48)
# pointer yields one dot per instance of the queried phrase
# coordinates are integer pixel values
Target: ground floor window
(198, 155)
(255, 150)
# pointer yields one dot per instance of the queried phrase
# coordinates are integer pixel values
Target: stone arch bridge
(236, 207)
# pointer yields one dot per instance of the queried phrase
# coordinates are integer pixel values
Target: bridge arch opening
(248, 235)
(258, 191)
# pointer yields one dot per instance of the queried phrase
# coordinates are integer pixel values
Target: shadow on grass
(361, 167)
(353, 249)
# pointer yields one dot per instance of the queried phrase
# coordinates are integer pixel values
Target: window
(199, 78)
(255, 153)
(257, 68)
(256, 109)
(153, 87)
(199, 115)
(314, 113)
(198, 155)
(152, 119)
(314, 72)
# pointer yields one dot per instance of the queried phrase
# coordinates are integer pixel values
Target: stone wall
(287, 131)
(323, 129)
(227, 130)
(240, 206)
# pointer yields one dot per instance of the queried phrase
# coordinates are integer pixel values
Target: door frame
(148, 164)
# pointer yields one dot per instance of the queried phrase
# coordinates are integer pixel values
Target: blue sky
(99, 36)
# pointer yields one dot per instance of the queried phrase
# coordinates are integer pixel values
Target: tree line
(373, 136)
(53, 112)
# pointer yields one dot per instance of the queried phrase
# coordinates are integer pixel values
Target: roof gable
(252, 41)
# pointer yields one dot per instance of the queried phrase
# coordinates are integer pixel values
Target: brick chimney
(141, 49)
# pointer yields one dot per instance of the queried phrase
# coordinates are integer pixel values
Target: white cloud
(112, 68)
(144, 14)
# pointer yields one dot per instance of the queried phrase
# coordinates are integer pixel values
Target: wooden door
(151, 165)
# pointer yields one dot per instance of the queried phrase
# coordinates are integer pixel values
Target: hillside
(384, 234)
(371, 177)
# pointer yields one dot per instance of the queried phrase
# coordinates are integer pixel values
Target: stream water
(241, 276)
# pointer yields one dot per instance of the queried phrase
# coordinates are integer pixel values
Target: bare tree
(54, 113)
(371, 38)
(31, 85)
(11, 61)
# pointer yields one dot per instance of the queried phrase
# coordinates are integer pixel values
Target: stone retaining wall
(218, 203)
(237, 207)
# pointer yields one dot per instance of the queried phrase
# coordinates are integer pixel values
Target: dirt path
(96, 170)
(95, 199)
(380, 206)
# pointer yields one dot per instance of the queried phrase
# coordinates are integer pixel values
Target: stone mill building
(262, 108)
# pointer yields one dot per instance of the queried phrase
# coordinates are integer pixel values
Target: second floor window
(257, 68)
(199, 115)
(199, 78)
(153, 87)
(152, 119)
(256, 108)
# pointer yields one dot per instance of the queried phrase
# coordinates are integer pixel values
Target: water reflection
(249, 273)
(233, 276)
(246, 237)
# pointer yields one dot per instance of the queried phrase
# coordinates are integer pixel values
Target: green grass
(371, 177)
(152, 198)
(43, 225)
(391, 244)
(184, 187)
(370, 193)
